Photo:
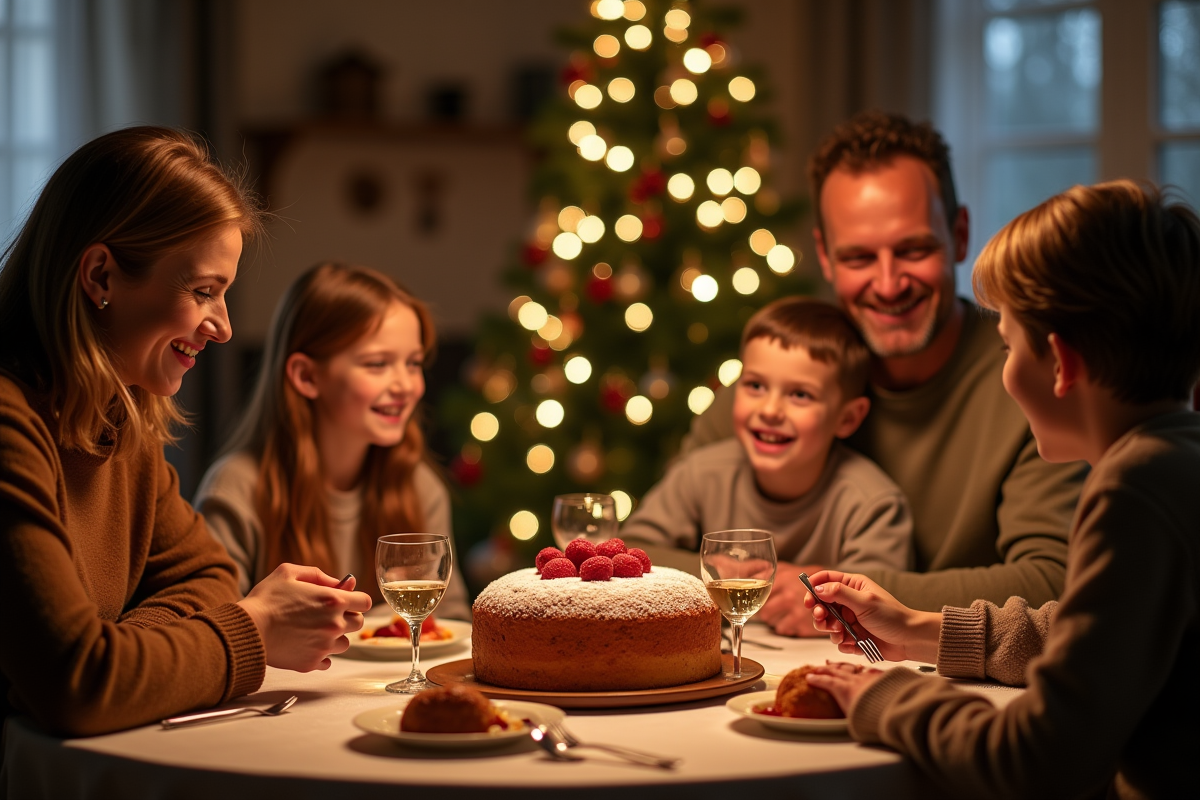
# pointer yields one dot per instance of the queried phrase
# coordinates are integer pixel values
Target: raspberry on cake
(588, 636)
(626, 566)
(641, 556)
(546, 554)
(579, 551)
(610, 548)
(558, 568)
(596, 568)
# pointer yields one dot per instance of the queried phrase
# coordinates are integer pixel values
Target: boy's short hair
(1113, 269)
(871, 139)
(823, 330)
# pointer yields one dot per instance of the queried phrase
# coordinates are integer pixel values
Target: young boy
(804, 372)
(1098, 291)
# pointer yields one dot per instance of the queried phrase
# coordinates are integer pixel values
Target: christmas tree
(654, 240)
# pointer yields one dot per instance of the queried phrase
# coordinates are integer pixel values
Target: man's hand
(900, 632)
(846, 682)
(784, 610)
(302, 618)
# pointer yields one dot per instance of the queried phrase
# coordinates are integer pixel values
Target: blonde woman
(329, 455)
(117, 606)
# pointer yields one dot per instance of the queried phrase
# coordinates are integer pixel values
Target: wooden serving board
(462, 672)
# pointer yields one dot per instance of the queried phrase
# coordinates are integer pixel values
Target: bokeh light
(628, 228)
(729, 372)
(619, 158)
(566, 246)
(621, 89)
(533, 315)
(579, 130)
(781, 259)
(747, 180)
(606, 46)
(588, 96)
(550, 413)
(700, 398)
(552, 329)
(761, 241)
(709, 214)
(623, 502)
(610, 9)
(569, 217)
(676, 35)
(704, 288)
(485, 426)
(634, 10)
(720, 181)
(697, 61)
(540, 459)
(741, 89)
(516, 304)
(590, 229)
(675, 145)
(638, 317)
(733, 209)
(499, 385)
(746, 280)
(523, 525)
(577, 369)
(677, 18)
(592, 147)
(638, 37)
(639, 409)
(683, 92)
(681, 187)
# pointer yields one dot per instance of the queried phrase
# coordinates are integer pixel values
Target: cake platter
(462, 671)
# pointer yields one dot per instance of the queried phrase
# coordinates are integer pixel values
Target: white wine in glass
(413, 571)
(589, 516)
(738, 568)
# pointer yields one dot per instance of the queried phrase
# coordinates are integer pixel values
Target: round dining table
(314, 750)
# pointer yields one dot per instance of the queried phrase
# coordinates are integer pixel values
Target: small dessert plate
(399, 648)
(385, 721)
(750, 706)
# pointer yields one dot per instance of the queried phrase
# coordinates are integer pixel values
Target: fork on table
(559, 731)
(870, 650)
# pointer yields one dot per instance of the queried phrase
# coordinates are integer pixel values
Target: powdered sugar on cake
(523, 594)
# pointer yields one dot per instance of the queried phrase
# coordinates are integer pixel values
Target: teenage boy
(804, 371)
(1097, 291)
(990, 517)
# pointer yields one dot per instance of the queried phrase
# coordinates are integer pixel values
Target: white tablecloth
(314, 751)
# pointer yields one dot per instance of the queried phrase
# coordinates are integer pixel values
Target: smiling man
(990, 517)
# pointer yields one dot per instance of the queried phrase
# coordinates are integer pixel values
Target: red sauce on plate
(767, 711)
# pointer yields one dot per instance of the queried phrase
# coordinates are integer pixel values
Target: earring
(103, 303)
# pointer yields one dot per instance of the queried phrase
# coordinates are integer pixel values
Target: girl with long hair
(329, 456)
(124, 608)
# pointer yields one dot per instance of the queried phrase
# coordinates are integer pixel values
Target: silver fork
(864, 643)
(559, 731)
(225, 713)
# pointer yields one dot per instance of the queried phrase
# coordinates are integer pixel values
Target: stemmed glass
(590, 516)
(413, 570)
(738, 568)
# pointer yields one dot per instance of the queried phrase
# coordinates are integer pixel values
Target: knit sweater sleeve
(1104, 662)
(181, 643)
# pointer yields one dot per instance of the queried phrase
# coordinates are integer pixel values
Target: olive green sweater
(990, 517)
(1111, 670)
(118, 607)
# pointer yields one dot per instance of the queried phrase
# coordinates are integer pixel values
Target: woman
(119, 609)
(329, 456)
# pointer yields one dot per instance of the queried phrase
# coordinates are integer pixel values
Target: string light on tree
(623, 502)
(681, 187)
(639, 409)
(590, 229)
(700, 398)
(485, 426)
(781, 259)
(619, 159)
(621, 90)
(638, 317)
(634, 10)
(550, 413)
(592, 147)
(729, 372)
(742, 89)
(578, 369)
(697, 61)
(638, 37)
(761, 241)
(579, 130)
(733, 209)
(532, 315)
(704, 288)
(523, 525)
(628, 228)
(683, 92)
(747, 180)
(720, 181)
(588, 97)
(709, 214)
(746, 280)
(567, 246)
(609, 9)
(606, 46)
(540, 459)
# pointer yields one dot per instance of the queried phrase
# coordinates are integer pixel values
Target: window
(27, 98)
(1037, 95)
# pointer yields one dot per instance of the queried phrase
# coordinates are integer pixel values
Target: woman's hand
(900, 632)
(302, 618)
(846, 682)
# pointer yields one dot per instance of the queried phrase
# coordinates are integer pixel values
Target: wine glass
(738, 568)
(413, 570)
(590, 516)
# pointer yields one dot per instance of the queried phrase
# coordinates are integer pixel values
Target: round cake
(571, 635)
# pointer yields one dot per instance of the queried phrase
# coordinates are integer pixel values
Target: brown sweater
(117, 604)
(1113, 696)
(990, 517)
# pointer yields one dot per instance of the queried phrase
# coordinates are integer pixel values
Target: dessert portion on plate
(795, 698)
(595, 618)
(398, 629)
(457, 709)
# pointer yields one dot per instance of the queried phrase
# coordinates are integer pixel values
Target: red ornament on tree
(467, 473)
(578, 69)
(541, 355)
(718, 112)
(599, 290)
(613, 399)
(652, 226)
(649, 184)
(709, 38)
